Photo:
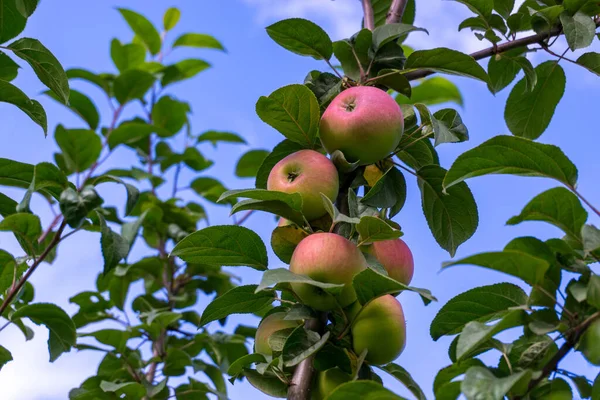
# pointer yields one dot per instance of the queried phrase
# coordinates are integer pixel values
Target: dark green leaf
(388, 192)
(590, 236)
(102, 81)
(373, 229)
(447, 61)
(448, 127)
(12, 21)
(143, 29)
(170, 114)
(282, 275)
(284, 240)
(481, 7)
(480, 383)
(362, 390)
(240, 300)
(370, 284)
(579, 29)
(301, 344)
(504, 7)
(13, 95)
(5, 356)
(324, 85)
(389, 32)
(132, 84)
(269, 384)
(129, 133)
(418, 154)
(591, 61)
(250, 162)
(404, 376)
(81, 105)
(26, 227)
(8, 68)
(198, 40)
(283, 204)
(447, 374)
(76, 205)
(80, 147)
(114, 246)
(302, 37)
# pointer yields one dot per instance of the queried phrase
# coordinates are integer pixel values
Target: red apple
(381, 329)
(266, 328)
(364, 123)
(309, 173)
(396, 258)
(329, 258)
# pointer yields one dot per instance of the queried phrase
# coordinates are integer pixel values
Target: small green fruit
(266, 328)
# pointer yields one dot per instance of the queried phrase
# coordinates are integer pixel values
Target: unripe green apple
(380, 328)
(267, 326)
(327, 381)
(396, 258)
(308, 173)
(589, 344)
(364, 123)
(328, 258)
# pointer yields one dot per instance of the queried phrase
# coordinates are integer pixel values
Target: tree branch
(369, 16)
(396, 11)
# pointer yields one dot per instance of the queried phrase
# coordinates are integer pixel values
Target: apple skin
(364, 123)
(381, 329)
(270, 324)
(396, 258)
(327, 381)
(328, 258)
(309, 173)
(589, 344)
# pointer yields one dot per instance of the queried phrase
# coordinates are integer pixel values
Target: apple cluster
(365, 124)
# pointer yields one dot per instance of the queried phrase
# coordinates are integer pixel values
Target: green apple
(381, 329)
(272, 323)
(329, 258)
(396, 258)
(589, 344)
(364, 123)
(327, 381)
(308, 173)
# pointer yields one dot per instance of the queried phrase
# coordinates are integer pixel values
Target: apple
(327, 381)
(589, 344)
(396, 258)
(329, 258)
(381, 329)
(272, 323)
(309, 173)
(364, 123)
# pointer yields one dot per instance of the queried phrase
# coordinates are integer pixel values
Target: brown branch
(396, 11)
(16, 288)
(369, 16)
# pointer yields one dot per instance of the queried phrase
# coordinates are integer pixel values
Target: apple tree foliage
(553, 309)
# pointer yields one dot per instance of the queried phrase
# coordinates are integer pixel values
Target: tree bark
(396, 11)
(368, 14)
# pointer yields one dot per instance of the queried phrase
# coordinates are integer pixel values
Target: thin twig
(410, 171)
(244, 217)
(594, 209)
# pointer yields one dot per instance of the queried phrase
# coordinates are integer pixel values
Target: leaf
(34, 110)
(335, 214)
(280, 151)
(512, 155)
(267, 384)
(12, 21)
(558, 207)
(26, 227)
(44, 64)
(284, 240)
(447, 374)
(362, 390)
(80, 147)
(223, 246)
(293, 111)
(170, 114)
(101, 81)
(596, 388)
(219, 136)
(182, 70)
(590, 236)
(448, 127)
(128, 56)
(143, 29)
(403, 376)
(129, 133)
(522, 265)
(7, 205)
(282, 275)
(302, 37)
(171, 18)
(198, 40)
(593, 291)
(481, 7)
(75, 205)
(370, 284)
(432, 91)
(133, 193)
(386, 33)
(419, 154)
(448, 61)
(286, 205)
(249, 163)
(239, 300)
(114, 247)
(8, 68)
(301, 344)
(132, 84)
(61, 328)
(324, 85)
(5, 356)
(528, 113)
(130, 390)
(479, 382)
(591, 61)
(238, 365)
(451, 214)
(373, 229)
(81, 105)
(504, 7)
(388, 192)
(579, 29)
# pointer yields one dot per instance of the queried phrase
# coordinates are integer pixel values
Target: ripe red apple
(327, 381)
(329, 258)
(266, 328)
(396, 258)
(364, 123)
(309, 173)
(381, 329)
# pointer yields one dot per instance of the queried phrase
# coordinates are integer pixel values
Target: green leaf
(596, 388)
(12, 21)
(132, 84)
(128, 56)
(448, 127)
(7, 205)
(129, 133)
(5, 356)
(370, 284)
(81, 105)
(286, 205)
(388, 192)
(281, 150)
(44, 64)
(419, 154)
(223, 246)
(143, 29)
(249, 163)
(114, 247)
(209, 188)
(133, 193)
(447, 61)
(579, 29)
(219, 136)
(75, 205)
(183, 70)
(324, 85)
(267, 384)
(373, 229)
(432, 91)
(62, 335)
(171, 18)
(504, 7)
(593, 291)
(480, 304)
(239, 300)
(403, 376)
(111, 337)
(284, 240)
(301, 344)
(449, 373)
(293, 111)
(558, 207)
(481, 7)
(302, 37)
(8, 68)
(131, 390)
(590, 236)
(170, 114)
(516, 263)
(335, 214)
(102, 81)
(528, 113)
(13, 95)
(80, 147)
(238, 365)
(362, 390)
(198, 40)
(282, 275)
(480, 383)
(26, 227)
(389, 32)
(451, 213)
(591, 61)
(512, 155)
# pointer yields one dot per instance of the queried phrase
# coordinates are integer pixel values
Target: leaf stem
(590, 205)
(406, 169)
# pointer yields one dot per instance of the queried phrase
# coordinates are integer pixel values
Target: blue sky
(223, 98)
